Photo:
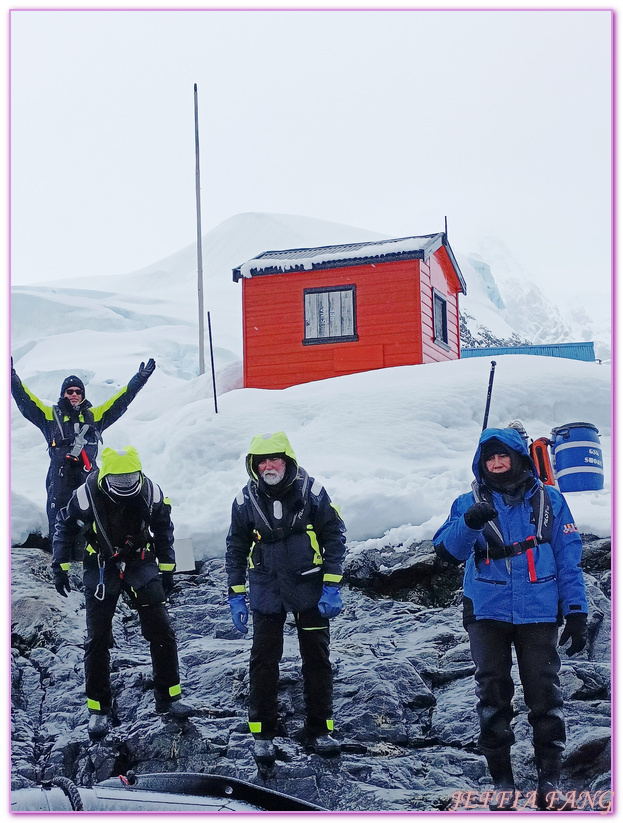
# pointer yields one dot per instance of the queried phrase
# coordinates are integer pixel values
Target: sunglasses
(73, 391)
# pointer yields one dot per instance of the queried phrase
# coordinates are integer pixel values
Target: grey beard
(271, 478)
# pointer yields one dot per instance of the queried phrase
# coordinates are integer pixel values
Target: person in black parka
(291, 537)
(72, 429)
(127, 524)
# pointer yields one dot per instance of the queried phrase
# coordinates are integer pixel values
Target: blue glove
(239, 612)
(330, 603)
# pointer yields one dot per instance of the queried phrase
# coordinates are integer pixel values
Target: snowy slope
(393, 447)
(505, 304)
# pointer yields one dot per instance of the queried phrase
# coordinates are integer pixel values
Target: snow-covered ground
(393, 447)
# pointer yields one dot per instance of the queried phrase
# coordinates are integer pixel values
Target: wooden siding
(392, 317)
(433, 276)
(386, 324)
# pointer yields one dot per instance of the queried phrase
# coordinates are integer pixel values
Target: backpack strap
(87, 418)
(297, 525)
(104, 544)
(57, 417)
(492, 532)
(542, 516)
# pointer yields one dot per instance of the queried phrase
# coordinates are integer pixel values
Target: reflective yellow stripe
(65, 566)
(258, 537)
(175, 690)
(330, 725)
(167, 500)
(255, 728)
(98, 411)
(338, 510)
(332, 578)
(48, 411)
(315, 545)
(166, 567)
(94, 705)
(90, 549)
(239, 589)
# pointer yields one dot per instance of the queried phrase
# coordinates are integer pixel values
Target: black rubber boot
(324, 745)
(264, 751)
(499, 763)
(548, 794)
(178, 709)
(99, 726)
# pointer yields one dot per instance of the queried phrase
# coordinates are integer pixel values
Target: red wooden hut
(309, 314)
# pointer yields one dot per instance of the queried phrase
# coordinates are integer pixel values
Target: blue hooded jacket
(501, 589)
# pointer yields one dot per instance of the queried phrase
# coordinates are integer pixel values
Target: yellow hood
(124, 461)
(262, 444)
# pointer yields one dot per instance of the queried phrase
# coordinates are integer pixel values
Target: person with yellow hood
(129, 534)
(288, 533)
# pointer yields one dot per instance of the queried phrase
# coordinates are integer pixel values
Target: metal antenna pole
(199, 250)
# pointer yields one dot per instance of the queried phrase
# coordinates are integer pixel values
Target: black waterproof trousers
(63, 478)
(266, 653)
(491, 643)
(156, 629)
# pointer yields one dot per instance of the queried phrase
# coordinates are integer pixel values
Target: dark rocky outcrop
(404, 689)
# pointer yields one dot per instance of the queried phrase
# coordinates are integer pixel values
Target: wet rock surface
(404, 702)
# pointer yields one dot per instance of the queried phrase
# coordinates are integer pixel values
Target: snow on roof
(349, 254)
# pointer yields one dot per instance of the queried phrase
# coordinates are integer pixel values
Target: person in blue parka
(285, 529)
(522, 553)
(72, 429)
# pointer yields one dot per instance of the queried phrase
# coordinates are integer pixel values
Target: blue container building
(573, 351)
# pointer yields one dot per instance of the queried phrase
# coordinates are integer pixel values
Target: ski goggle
(124, 485)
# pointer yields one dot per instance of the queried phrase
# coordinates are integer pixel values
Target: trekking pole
(212, 362)
(491, 373)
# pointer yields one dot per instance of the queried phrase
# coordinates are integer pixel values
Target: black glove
(146, 371)
(479, 514)
(61, 582)
(577, 630)
(167, 582)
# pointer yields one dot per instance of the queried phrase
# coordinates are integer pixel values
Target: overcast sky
(385, 120)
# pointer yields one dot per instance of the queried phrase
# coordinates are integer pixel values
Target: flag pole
(199, 250)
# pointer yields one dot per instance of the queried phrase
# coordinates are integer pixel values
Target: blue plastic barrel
(578, 460)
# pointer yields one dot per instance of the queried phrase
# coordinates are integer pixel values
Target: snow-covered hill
(393, 447)
(505, 306)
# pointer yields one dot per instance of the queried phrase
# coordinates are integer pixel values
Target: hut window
(440, 319)
(330, 315)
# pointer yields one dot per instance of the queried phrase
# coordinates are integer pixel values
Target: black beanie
(493, 446)
(74, 382)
